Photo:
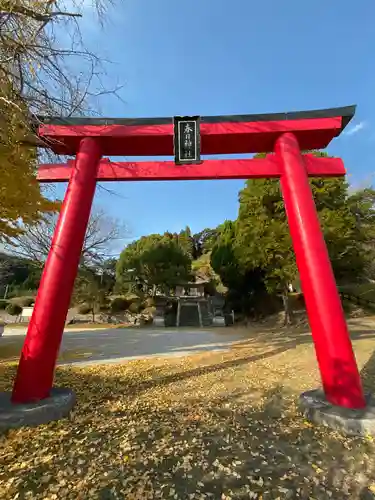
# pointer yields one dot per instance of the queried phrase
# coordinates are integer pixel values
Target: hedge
(84, 309)
(134, 307)
(3, 304)
(13, 309)
(119, 304)
(24, 301)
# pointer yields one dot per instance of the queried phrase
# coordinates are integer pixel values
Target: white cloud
(356, 128)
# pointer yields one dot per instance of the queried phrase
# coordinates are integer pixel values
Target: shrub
(24, 301)
(17, 292)
(132, 297)
(119, 304)
(134, 307)
(3, 304)
(104, 304)
(84, 309)
(13, 309)
(149, 302)
(146, 320)
(149, 311)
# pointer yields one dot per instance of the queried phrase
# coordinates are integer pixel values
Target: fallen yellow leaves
(318, 470)
(204, 427)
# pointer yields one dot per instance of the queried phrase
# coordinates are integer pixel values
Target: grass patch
(75, 326)
(18, 325)
(11, 351)
(101, 326)
(363, 290)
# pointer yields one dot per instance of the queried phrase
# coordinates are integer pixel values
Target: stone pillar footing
(317, 409)
(57, 406)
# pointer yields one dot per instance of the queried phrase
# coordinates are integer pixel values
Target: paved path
(22, 330)
(134, 343)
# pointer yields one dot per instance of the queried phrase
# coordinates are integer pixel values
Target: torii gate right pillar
(337, 364)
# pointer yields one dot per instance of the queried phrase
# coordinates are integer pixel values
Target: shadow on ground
(290, 337)
(116, 344)
(368, 374)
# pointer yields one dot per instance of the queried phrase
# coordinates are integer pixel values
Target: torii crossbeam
(284, 135)
(209, 169)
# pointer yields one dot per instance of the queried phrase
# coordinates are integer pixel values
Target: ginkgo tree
(21, 198)
(41, 73)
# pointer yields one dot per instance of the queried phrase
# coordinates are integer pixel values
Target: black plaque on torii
(187, 140)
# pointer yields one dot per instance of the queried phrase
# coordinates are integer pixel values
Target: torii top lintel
(219, 134)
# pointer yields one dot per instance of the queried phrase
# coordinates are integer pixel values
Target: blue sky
(219, 57)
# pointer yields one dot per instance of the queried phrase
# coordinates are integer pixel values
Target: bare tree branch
(102, 236)
(11, 8)
(45, 70)
(40, 66)
(100, 187)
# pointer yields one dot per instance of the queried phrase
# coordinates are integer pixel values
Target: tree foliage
(18, 273)
(259, 243)
(162, 261)
(262, 233)
(20, 195)
(90, 290)
(203, 270)
(194, 245)
(155, 261)
(245, 286)
(262, 238)
(204, 241)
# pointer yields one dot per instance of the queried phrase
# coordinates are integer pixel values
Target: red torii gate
(284, 134)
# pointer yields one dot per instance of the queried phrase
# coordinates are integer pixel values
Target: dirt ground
(209, 426)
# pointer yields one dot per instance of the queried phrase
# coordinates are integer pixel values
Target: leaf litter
(209, 426)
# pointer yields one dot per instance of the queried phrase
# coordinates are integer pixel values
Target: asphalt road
(134, 343)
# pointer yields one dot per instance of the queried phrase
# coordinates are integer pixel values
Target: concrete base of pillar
(317, 409)
(57, 406)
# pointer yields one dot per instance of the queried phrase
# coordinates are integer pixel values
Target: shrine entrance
(283, 135)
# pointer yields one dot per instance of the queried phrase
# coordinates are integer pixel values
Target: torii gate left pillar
(286, 136)
(36, 368)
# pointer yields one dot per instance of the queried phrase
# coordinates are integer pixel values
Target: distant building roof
(192, 284)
